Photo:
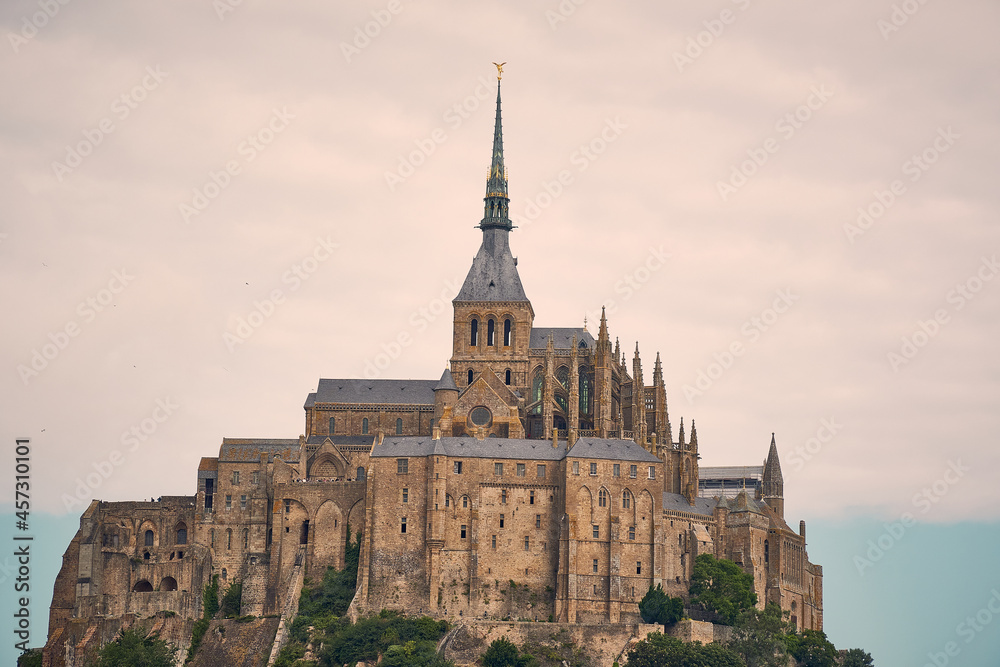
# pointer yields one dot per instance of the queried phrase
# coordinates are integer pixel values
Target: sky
(207, 206)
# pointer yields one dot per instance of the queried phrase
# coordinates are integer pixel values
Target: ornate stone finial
(585, 323)
(500, 69)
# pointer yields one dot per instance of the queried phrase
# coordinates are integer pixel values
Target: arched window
(168, 584)
(333, 424)
(563, 376)
(399, 427)
(229, 538)
(584, 392)
(506, 331)
(626, 500)
(506, 377)
(148, 538)
(364, 426)
(474, 332)
(602, 498)
(360, 474)
(182, 534)
(470, 376)
(491, 333)
(536, 393)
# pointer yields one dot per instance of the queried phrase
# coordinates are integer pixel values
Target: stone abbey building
(539, 478)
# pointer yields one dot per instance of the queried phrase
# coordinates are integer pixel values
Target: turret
(772, 483)
(445, 395)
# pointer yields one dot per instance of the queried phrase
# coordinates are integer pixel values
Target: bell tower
(493, 316)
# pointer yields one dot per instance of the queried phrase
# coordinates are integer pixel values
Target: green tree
(30, 658)
(135, 648)
(503, 653)
(658, 607)
(812, 649)
(233, 599)
(422, 653)
(721, 586)
(659, 650)
(855, 657)
(759, 637)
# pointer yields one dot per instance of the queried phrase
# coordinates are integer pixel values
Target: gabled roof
(609, 448)
(562, 337)
(398, 392)
(245, 450)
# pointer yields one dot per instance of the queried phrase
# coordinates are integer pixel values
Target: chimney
(802, 529)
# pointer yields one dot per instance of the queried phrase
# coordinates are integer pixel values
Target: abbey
(538, 478)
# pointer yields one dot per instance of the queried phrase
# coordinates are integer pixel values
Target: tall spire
(495, 215)
(772, 482)
(493, 276)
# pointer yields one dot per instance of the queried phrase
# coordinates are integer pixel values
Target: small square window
(402, 466)
(652, 472)
(229, 502)
(520, 470)
(402, 525)
(458, 467)
(593, 469)
(498, 469)
(597, 531)
(527, 543)
(531, 497)
(541, 472)
(243, 502)
(255, 478)
(638, 567)
(501, 520)
(465, 501)
(633, 471)
(595, 566)
(631, 532)
(494, 541)
(538, 521)
(288, 505)
(406, 495)
(463, 531)
(503, 497)
(576, 467)
(236, 477)
(616, 470)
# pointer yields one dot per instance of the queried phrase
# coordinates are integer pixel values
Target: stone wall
(602, 643)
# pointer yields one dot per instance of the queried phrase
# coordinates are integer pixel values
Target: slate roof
(493, 275)
(353, 440)
(562, 337)
(469, 447)
(608, 448)
(677, 503)
(730, 472)
(242, 450)
(446, 381)
(398, 392)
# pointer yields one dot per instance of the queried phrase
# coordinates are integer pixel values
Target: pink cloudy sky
(115, 115)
